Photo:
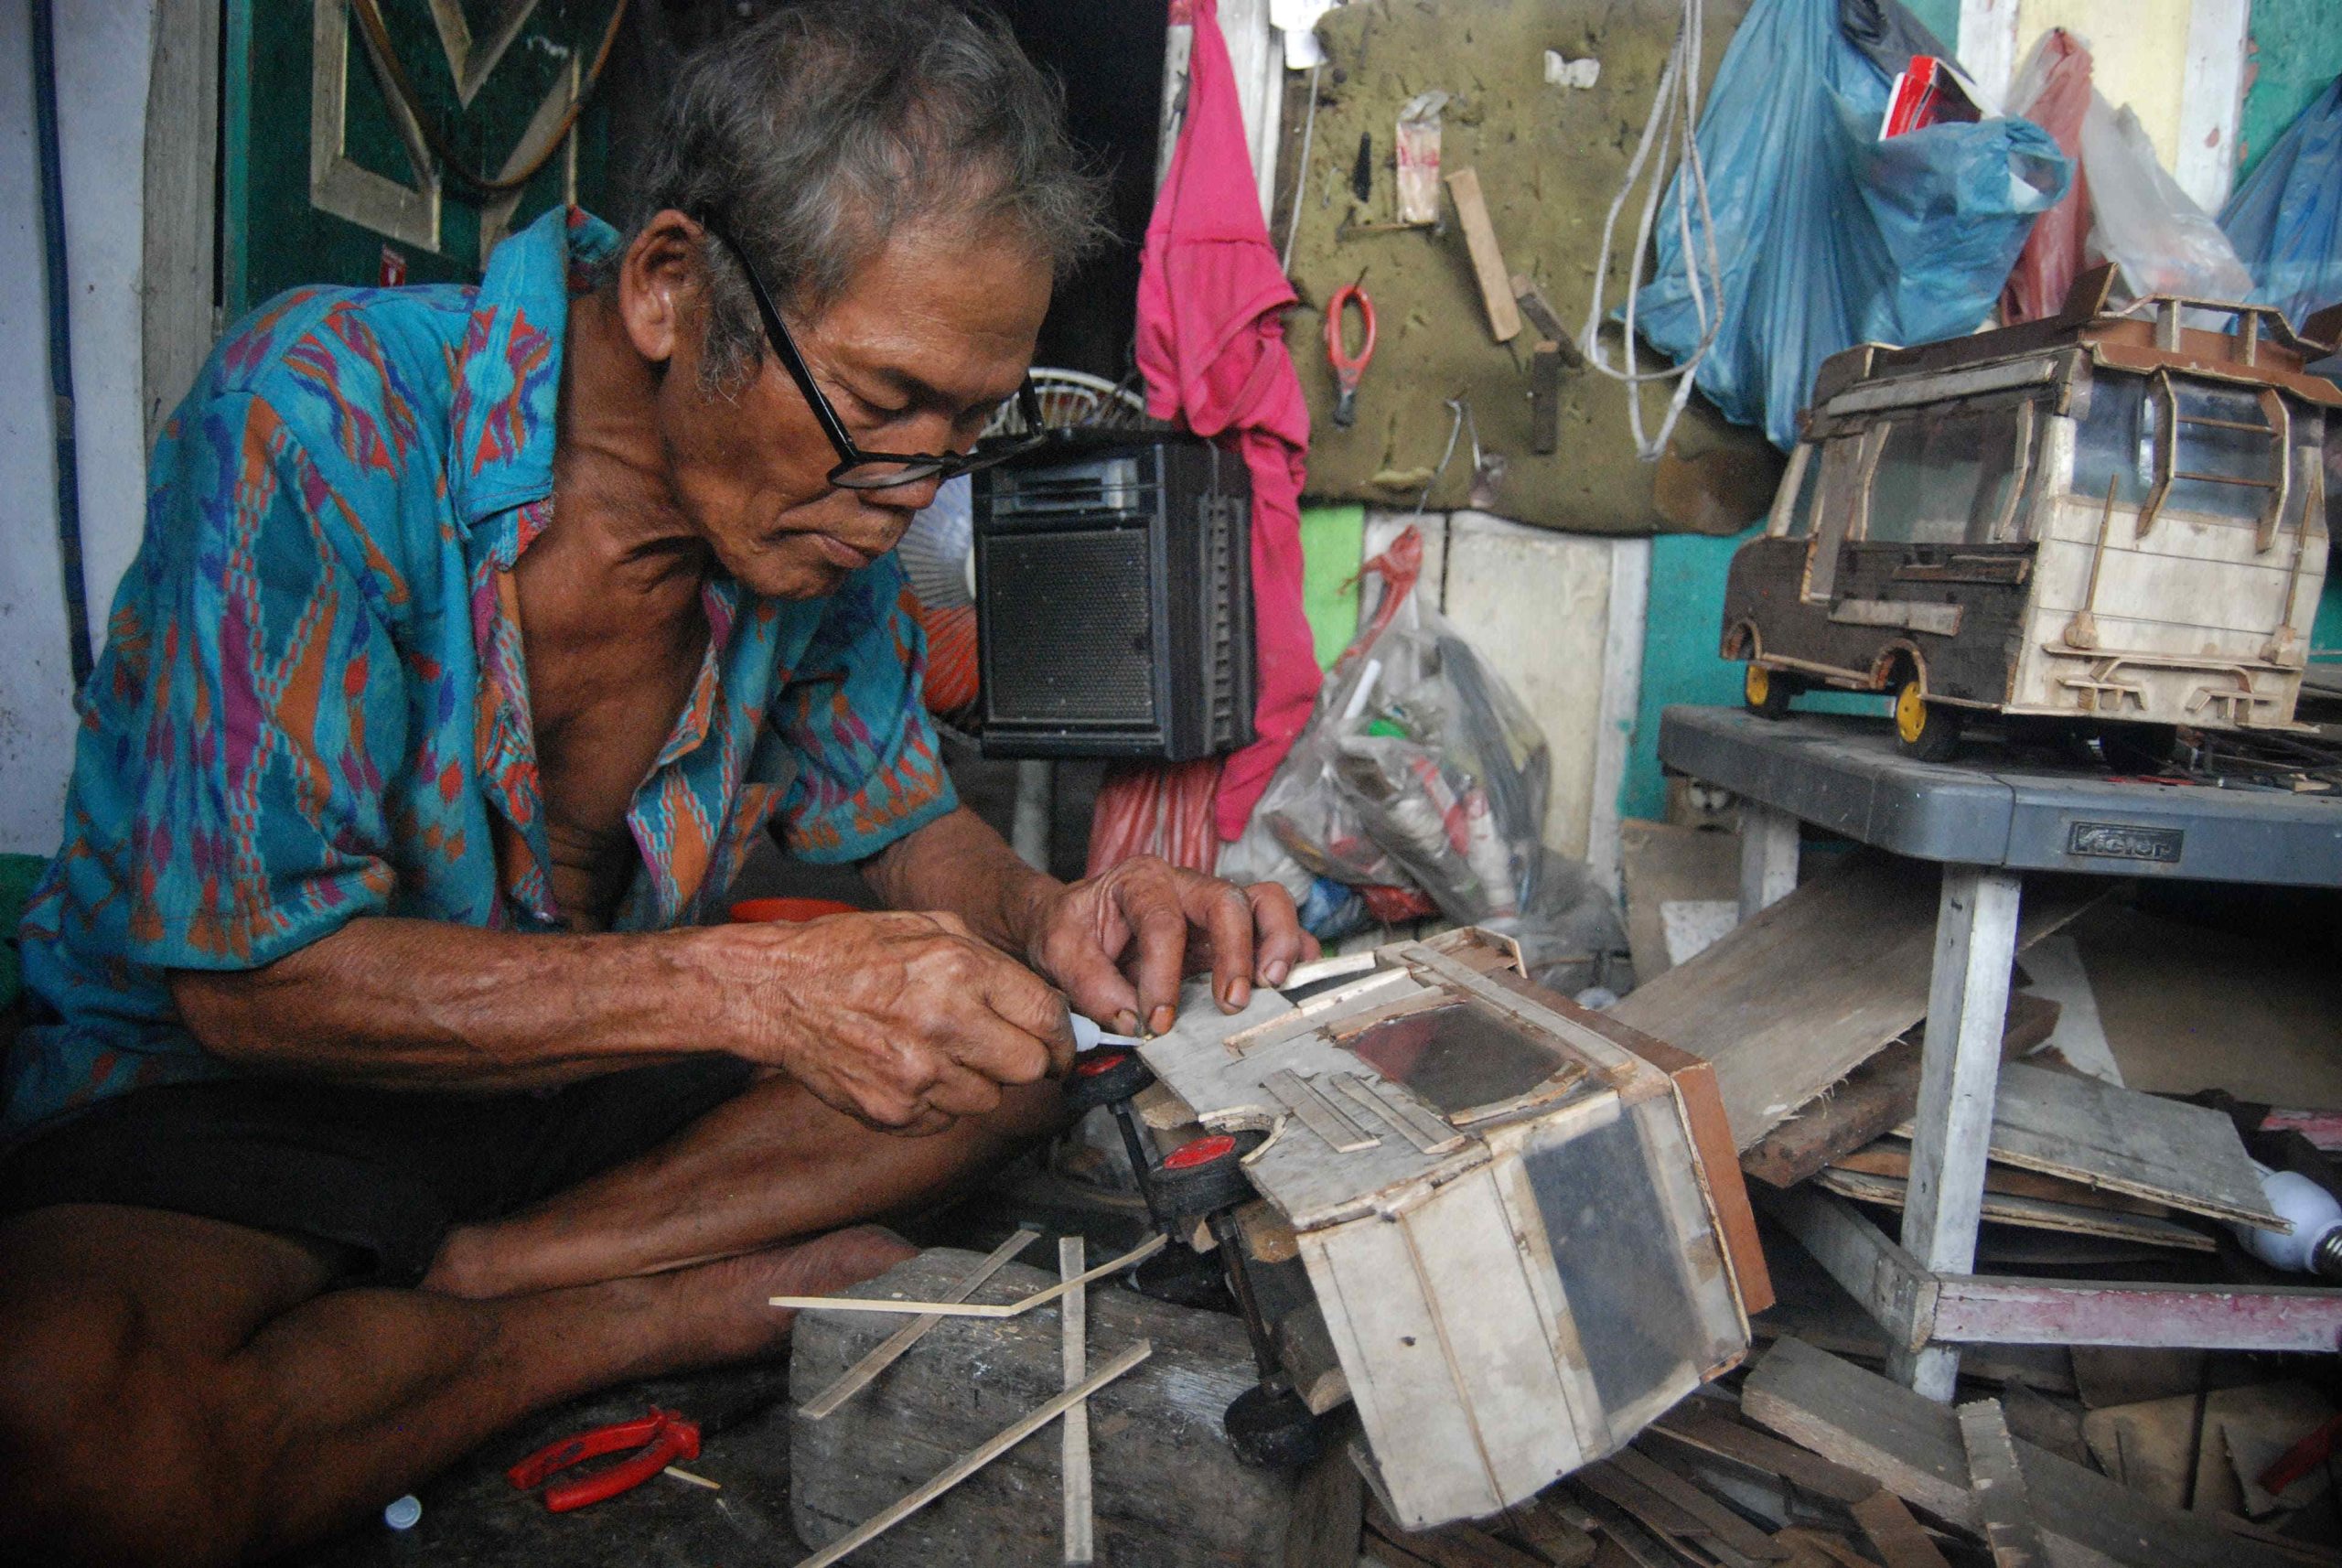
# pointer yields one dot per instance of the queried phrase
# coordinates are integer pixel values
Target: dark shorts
(379, 1178)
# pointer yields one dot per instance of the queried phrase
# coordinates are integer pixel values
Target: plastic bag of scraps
(2286, 219)
(1419, 760)
(1829, 235)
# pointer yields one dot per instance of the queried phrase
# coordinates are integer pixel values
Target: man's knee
(106, 1450)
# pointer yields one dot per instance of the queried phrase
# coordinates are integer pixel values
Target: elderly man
(392, 1089)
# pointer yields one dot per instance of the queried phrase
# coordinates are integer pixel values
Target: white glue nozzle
(1088, 1035)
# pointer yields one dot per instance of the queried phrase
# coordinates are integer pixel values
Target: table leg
(1768, 856)
(1029, 833)
(1959, 1068)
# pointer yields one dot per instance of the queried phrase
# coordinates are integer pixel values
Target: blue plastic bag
(1829, 237)
(2286, 220)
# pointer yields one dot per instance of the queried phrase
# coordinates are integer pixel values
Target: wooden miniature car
(1523, 1222)
(2111, 515)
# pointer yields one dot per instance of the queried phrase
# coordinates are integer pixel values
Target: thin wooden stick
(682, 1474)
(1074, 1319)
(993, 1447)
(855, 1378)
(1138, 1254)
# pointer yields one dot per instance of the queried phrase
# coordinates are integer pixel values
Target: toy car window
(1944, 478)
(1455, 1057)
(1809, 486)
(2228, 454)
(2225, 442)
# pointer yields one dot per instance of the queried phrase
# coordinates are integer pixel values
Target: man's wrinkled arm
(417, 1004)
(959, 864)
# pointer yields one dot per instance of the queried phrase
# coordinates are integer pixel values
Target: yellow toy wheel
(1767, 692)
(1927, 731)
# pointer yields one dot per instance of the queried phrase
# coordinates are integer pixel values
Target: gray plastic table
(1988, 821)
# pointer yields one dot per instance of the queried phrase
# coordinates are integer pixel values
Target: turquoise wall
(2296, 50)
(1680, 661)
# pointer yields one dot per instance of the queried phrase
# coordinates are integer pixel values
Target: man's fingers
(1032, 1006)
(1152, 908)
(1226, 914)
(1279, 942)
(1004, 1052)
(959, 1093)
(1095, 987)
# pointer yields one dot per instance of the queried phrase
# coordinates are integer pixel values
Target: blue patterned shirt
(311, 705)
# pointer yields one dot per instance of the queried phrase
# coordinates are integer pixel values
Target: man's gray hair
(831, 125)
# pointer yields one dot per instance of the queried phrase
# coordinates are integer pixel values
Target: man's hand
(1120, 942)
(907, 1022)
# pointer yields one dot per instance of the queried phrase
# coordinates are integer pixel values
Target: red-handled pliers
(1347, 371)
(663, 1436)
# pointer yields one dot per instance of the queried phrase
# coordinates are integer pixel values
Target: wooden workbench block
(1167, 1490)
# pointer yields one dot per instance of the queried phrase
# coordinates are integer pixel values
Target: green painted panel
(1333, 540)
(1683, 625)
(1940, 17)
(2296, 49)
(286, 222)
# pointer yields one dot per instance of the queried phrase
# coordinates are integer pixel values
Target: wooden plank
(1793, 1000)
(2002, 1502)
(1138, 1254)
(859, 1375)
(1891, 1156)
(1875, 1098)
(1768, 857)
(1540, 1527)
(1889, 1525)
(1912, 1445)
(1729, 1439)
(1488, 257)
(1009, 1438)
(1317, 1113)
(1450, 1546)
(1718, 1520)
(2031, 1213)
(2102, 1134)
(1959, 1062)
(1154, 1495)
(1074, 1326)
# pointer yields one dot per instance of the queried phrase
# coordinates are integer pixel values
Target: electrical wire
(1301, 171)
(1672, 130)
(378, 41)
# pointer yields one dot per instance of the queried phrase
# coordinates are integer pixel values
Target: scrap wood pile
(1813, 1014)
(1816, 1462)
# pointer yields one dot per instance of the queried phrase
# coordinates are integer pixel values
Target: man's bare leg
(177, 1390)
(770, 1165)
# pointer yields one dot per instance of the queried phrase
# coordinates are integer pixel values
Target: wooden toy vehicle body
(1523, 1222)
(2100, 516)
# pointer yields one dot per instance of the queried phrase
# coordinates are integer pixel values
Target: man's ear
(662, 287)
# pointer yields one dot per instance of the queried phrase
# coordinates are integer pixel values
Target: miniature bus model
(2108, 516)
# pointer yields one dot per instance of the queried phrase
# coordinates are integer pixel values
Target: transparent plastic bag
(1419, 761)
(2144, 225)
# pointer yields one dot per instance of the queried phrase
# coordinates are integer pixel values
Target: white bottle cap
(403, 1513)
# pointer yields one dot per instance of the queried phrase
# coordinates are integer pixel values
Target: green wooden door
(327, 177)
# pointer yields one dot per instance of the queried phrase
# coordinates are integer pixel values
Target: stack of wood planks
(1815, 1462)
(1811, 1014)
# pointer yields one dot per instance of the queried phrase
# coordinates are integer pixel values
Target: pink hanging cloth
(1212, 345)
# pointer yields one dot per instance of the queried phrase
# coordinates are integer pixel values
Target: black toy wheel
(1103, 1076)
(1925, 731)
(2142, 749)
(1767, 692)
(1273, 1431)
(1185, 1277)
(1205, 1176)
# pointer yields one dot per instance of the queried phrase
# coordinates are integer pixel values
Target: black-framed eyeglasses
(857, 470)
